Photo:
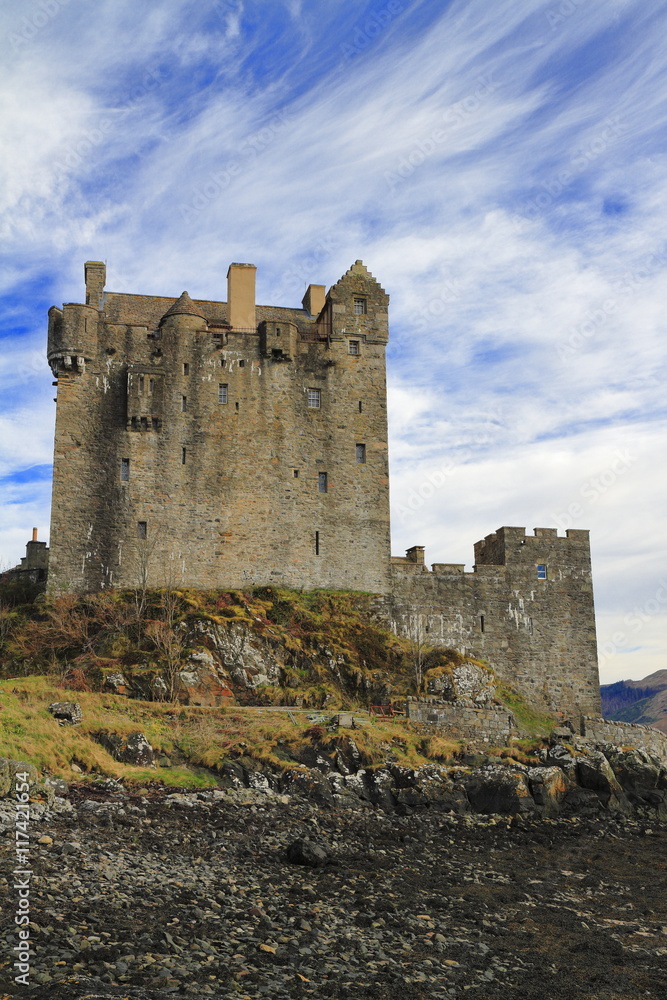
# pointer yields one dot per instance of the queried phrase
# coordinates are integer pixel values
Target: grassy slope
(53, 651)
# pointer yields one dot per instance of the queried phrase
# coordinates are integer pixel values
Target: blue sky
(499, 167)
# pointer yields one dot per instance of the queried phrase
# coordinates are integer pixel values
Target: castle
(229, 444)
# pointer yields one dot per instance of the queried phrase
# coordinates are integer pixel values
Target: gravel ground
(193, 895)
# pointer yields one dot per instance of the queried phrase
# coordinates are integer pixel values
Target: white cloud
(500, 171)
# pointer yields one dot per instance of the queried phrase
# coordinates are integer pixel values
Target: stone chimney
(241, 296)
(314, 299)
(96, 276)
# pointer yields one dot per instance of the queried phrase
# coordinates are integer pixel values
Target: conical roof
(184, 306)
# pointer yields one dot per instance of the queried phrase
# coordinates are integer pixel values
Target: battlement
(511, 544)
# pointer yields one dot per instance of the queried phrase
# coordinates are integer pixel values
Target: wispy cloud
(499, 167)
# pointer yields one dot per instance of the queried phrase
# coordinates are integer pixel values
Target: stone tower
(221, 444)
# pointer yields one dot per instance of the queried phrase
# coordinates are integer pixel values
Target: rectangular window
(144, 423)
(360, 307)
(317, 543)
(183, 452)
(156, 424)
(186, 368)
(361, 453)
(124, 470)
(322, 484)
(184, 403)
(481, 623)
(217, 340)
(296, 473)
(314, 399)
(353, 346)
(530, 625)
(141, 385)
(142, 529)
(222, 393)
(541, 572)
(360, 406)
(242, 363)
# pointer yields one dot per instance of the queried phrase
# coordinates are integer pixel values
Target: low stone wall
(625, 734)
(487, 725)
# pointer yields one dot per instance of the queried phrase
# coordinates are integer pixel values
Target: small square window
(295, 473)
(361, 453)
(353, 346)
(241, 363)
(124, 470)
(360, 307)
(142, 529)
(541, 572)
(314, 398)
(186, 367)
(322, 483)
(184, 403)
(222, 393)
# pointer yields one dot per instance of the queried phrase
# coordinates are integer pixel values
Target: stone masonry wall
(490, 725)
(204, 434)
(538, 634)
(625, 734)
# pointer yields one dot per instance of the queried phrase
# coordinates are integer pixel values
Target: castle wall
(538, 634)
(487, 725)
(625, 734)
(230, 492)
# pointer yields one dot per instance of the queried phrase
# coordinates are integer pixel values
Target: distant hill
(643, 701)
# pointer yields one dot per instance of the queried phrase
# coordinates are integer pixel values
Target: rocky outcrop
(132, 748)
(68, 713)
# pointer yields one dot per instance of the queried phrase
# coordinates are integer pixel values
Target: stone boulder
(498, 789)
(310, 784)
(549, 786)
(307, 852)
(595, 772)
(131, 748)
(68, 713)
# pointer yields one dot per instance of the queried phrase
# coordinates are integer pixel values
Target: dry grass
(199, 737)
